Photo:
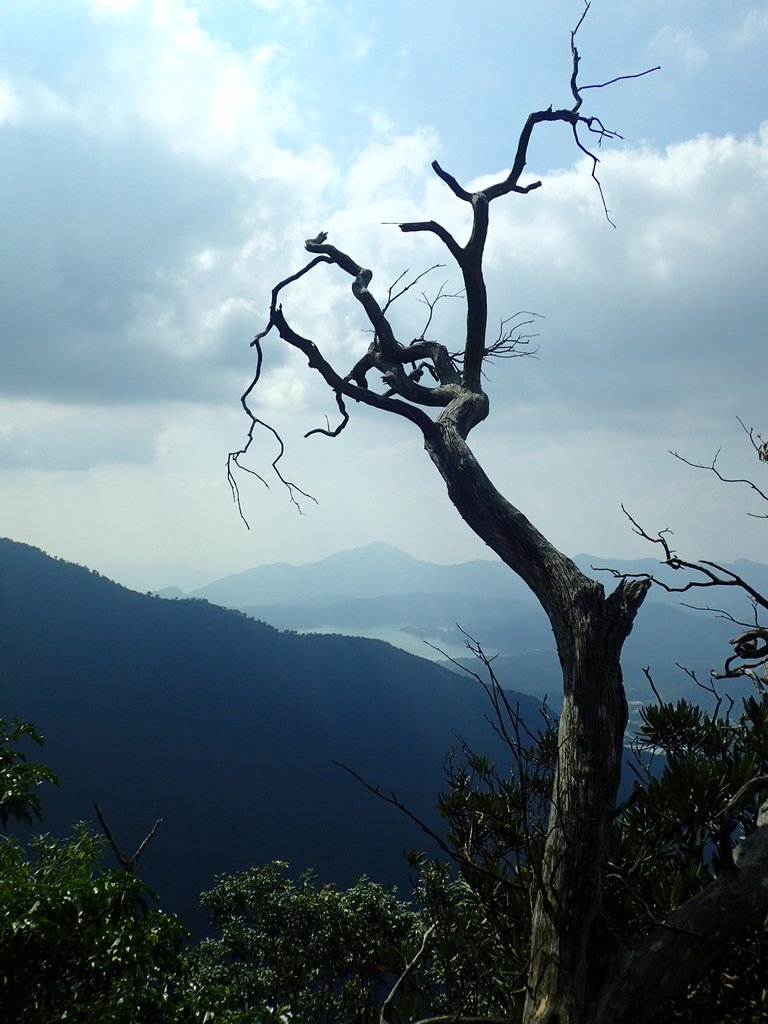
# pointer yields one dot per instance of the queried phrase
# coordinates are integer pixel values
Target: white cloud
(111, 7)
(203, 99)
(51, 437)
(679, 46)
(360, 45)
(153, 68)
(752, 29)
(165, 179)
(28, 102)
(390, 169)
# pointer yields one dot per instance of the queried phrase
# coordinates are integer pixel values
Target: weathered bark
(660, 967)
(589, 630)
(590, 735)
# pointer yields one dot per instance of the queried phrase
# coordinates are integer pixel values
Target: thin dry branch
(534, 809)
(712, 468)
(757, 441)
(233, 459)
(458, 376)
(603, 133)
(393, 296)
(432, 226)
(747, 646)
(715, 575)
(593, 124)
(620, 78)
(128, 864)
(510, 342)
(337, 430)
(710, 688)
(571, 116)
(394, 801)
(430, 303)
(649, 677)
(410, 967)
(721, 613)
(751, 646)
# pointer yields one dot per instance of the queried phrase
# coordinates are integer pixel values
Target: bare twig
(757, 441)
(649, 677)
(431, 303)
(128, 864)
(510, 341)
(337, 430)
(712, 468)
(393, 296)
(410, 967)
(620, 78)
(394, 801)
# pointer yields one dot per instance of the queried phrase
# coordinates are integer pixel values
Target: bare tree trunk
(591, 730)
(590, 630)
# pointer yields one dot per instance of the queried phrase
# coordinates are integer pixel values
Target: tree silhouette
(574, 974)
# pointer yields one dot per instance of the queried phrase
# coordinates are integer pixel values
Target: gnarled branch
(662, 965)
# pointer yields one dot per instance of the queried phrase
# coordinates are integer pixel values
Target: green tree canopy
(19, 777)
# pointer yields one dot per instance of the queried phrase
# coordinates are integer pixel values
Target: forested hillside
(224, 727)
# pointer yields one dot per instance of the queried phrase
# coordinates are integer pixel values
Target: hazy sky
(161, 163)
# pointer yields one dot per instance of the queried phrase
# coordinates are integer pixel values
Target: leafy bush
(298, 950)
(79, 942)
(19, 778)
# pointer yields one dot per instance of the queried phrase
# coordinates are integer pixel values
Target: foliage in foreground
(20, 777)
(680, 835)
(80, 942)
(296, 950)
(299, 951)
(695, 798)
(293, 949)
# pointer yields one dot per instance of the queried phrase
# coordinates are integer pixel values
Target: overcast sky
(161, 163)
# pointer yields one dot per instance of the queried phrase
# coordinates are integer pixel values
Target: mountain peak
(375, 570)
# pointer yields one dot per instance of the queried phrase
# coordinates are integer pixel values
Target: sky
(162, 162)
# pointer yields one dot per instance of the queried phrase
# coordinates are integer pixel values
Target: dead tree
(441, 393)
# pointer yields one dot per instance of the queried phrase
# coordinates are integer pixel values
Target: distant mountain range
(378, 569)
(368, 572)
(225, 728)
(381, 592)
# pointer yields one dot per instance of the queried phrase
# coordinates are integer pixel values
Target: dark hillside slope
(223, 727)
